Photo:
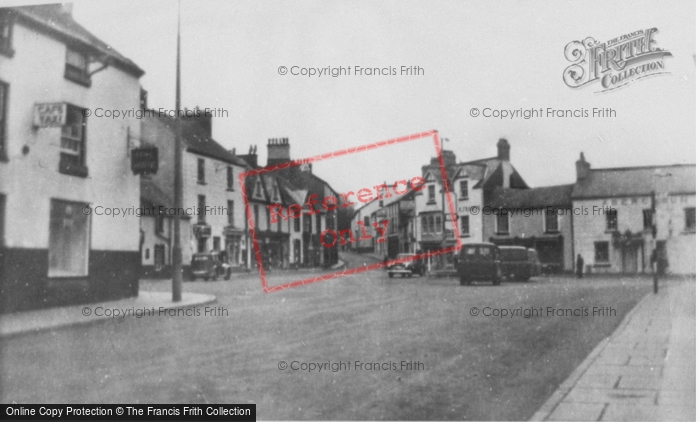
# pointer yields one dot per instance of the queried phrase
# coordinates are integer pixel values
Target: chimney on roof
(277, 151)
(251, 158)
(503, 149)
(67, 8)
(583, 168)
(144, 99)
(201, 117)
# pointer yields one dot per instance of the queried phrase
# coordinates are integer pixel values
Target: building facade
(64, 169)
(621, 214)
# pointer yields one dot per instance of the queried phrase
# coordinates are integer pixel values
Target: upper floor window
(6, 34)
(502, 222)
(73, 140)
(202, 207)
(200, 171)
(77, 67)
(465, 224)
(690, 219)
(229, 212)
(3, 119)
(297, 225)
(258, 189)
(229, 178)
(648, 219)
(276, 194)
(611, 219)
(431, 193)
(551, 222)
(464, 189)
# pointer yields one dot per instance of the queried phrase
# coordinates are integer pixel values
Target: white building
(211, 193)
(63, 168)
(614, 218)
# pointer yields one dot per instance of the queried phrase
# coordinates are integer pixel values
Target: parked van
(478, 262)
(515, 263)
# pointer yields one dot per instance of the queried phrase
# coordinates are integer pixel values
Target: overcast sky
(498, 54)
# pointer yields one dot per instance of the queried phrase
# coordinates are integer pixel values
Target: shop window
(69, 229)
(77, 67)
(602, 252)
(690, 219)
(73, 140)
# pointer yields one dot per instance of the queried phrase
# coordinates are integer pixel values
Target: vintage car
(478, 262)
(515, 263)
(408, 268)
(208, 266)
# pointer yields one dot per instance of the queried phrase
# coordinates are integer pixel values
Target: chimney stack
(277, 151)
(503, 149)
(583, 168)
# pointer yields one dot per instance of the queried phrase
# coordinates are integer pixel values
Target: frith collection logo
(615, 63)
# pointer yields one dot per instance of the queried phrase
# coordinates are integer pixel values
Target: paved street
(473, 367)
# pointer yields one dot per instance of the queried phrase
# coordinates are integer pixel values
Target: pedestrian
(579, 266)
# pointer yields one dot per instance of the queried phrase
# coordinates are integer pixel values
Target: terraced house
(61, 168)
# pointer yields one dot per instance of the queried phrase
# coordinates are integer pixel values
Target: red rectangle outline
(339, 153)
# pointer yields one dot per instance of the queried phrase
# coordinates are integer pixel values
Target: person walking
(579, 266)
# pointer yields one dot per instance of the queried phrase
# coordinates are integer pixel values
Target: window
(431, 224)
(366, 221)
(6, 33)
(438, 224)
(465, 224)
(229, 212)
(217, 243)
(502, 223)
(602, 252)
(229, 178)
(73, 140)
(3, 119)
(69, 229)
(77, 67)
(318, 223)
(276, 197)
(201, 208)
(200, 171)
(648, 219)
(690, 219)
(464, 189)
(160, 223)
(424, 225)
(551, 221)
(258, 189)
(307, 223)
(255, 216)
(611, 219)
(297, 225)
(431, 193)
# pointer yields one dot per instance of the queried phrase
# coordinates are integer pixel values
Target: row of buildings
(612, 217)
(86, 200)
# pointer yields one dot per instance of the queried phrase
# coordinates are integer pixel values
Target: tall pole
(655, 268)
(177, 248)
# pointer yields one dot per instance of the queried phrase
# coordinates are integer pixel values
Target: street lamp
(177, 248)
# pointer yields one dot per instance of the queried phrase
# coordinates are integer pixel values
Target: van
(515, 263)
(478, 262)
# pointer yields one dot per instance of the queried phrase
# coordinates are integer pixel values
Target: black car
(478, 262)
(407, 268)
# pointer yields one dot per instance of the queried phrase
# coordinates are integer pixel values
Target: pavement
(47, 319)
(645, 371)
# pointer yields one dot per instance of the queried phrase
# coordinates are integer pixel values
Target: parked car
(208, 266)
(535, 264)
(515, 263)
(407, 269)
(478, 262)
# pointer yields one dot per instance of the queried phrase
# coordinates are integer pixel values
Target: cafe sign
(50, 114)
(144, 160)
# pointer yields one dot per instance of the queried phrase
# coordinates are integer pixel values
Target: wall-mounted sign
(201, 230)
(50, 114)
(144, 160)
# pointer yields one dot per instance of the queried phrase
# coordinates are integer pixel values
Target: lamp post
(177, 248)
(655, 269)
(444, 192)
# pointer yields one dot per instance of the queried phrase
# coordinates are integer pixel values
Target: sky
(474, 54)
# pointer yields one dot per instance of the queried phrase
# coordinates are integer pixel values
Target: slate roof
(549, 196)
(52, 19)
(631, 181)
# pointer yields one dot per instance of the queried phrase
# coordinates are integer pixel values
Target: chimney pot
(503, 149)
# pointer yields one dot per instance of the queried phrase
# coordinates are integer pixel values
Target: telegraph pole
(655, 268)
(177, 248)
